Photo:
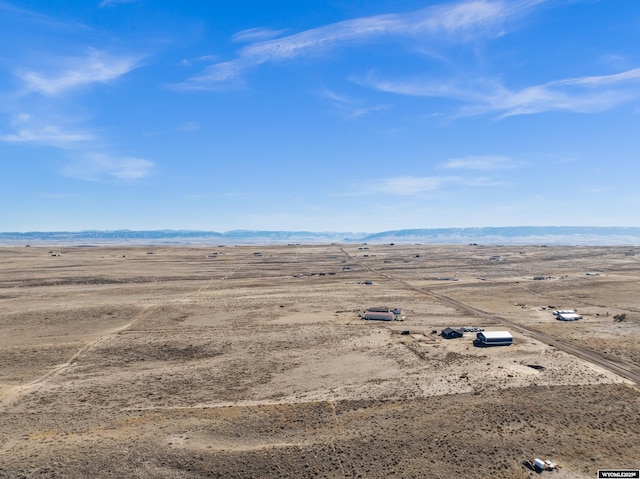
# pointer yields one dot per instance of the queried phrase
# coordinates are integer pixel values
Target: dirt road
(623, 369)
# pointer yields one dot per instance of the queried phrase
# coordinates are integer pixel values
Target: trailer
(539, 465)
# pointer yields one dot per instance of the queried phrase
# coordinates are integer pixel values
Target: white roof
(496, 334)
(569, 315)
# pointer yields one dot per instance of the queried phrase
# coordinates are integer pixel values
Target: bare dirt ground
(238, 362)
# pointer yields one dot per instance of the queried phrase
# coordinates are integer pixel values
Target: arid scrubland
(252, 361)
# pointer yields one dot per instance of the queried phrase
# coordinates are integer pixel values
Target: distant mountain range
(551, 235)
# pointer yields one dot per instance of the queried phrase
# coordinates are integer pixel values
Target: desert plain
(254, 362)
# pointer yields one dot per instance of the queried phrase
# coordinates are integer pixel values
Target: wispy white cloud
(112, 3)
(18, 15)
(411, 185)
(47, 135)
(256, 35)
(59, 73)
(98, 167)
(460, 21)
(358, 112)
(96, 67)
(128, 168)
(408, 185)
(27, 129)
(215, 76)
(582, 95)
(335, 97)
(88, 165)
(471, 17)
(416, 185)
(480, 163)
(464, 91)
(351, 108)
(187, 62)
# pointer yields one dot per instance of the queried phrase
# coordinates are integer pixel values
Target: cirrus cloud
(460, 21)
(486, 162)
(99, 166)
(95, 67)
(587, 94)
(29, 129)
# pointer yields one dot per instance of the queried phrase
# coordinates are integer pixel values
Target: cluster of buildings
(483, 338)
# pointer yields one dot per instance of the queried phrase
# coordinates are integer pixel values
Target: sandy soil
(253, 362)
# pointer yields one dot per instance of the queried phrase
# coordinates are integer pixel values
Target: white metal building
(568, 316)
(379, 315)
(495, 338)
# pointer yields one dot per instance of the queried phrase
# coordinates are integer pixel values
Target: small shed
(450, 333)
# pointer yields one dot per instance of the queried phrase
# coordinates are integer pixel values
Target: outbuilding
(568, 316)
(450, 333)
(379, 315)
(494, 338)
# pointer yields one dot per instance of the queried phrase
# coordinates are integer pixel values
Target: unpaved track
(623, 369)
(11, 394)
(8, 396)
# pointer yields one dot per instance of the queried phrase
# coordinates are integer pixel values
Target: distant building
(494, 338)
(383, 314)
(379, 315)
(568, 316)
(450, 333)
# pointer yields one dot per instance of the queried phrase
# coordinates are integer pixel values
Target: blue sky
(336, 115)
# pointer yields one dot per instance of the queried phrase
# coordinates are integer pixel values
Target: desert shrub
(618, 318)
